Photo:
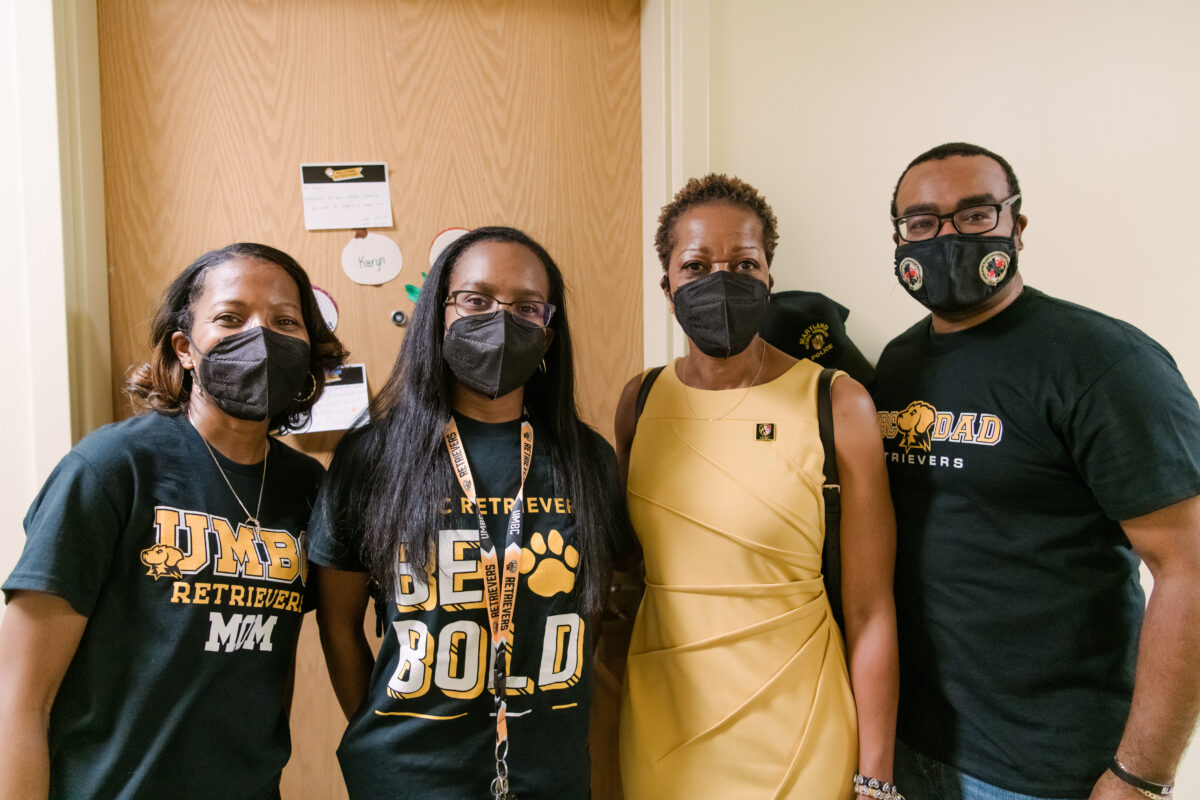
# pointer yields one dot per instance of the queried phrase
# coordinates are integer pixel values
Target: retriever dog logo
(162, 559)
(914, 422)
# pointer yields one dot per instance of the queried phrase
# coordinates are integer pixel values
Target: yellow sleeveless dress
(736, 684)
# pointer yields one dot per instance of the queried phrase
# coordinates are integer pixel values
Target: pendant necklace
(252, 521)
(687, 393)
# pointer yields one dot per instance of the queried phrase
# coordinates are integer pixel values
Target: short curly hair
(714, 188)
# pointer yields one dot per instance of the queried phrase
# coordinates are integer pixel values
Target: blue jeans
(923, 778)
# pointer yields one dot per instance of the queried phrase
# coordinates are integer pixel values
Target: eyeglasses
(975, 220)
(468, 304)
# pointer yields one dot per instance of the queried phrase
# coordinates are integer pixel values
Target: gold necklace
(252, 521)
(686, 388)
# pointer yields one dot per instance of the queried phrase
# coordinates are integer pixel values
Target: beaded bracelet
(871, 787)
(1155, 791)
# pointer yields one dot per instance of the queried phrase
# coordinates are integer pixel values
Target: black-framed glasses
(468, 304)
(975, 220)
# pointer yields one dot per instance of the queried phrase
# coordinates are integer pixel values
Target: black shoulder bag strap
(831, 553)
(644, 391)
(631, 584)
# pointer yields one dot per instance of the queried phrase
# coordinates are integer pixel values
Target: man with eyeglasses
(1036, 450)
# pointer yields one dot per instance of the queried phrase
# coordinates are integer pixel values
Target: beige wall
(821, 105)
(17, 481)
(1095, 104)
(55, 321)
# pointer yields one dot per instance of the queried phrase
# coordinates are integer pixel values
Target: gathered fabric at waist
(675, 616)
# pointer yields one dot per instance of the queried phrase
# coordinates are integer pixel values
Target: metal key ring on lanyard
(500, 584)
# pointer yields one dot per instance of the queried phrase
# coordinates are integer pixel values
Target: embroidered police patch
(993, 268)
(816, 340)
(910, 272)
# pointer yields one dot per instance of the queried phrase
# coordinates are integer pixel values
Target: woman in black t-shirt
(152, 619)
(485, 515)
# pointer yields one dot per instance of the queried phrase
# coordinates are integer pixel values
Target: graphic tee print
(193, 617)
(1014, 448)
(427, 728)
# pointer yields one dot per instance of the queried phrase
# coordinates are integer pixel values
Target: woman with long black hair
(485, 514)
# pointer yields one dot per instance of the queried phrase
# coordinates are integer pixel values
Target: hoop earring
(311, 391)
(542, 366)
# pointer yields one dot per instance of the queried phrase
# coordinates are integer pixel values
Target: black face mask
(956, 272)
(721, 312)
(254, 374)
(493, 353)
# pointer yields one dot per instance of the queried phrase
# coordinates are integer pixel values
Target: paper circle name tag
(327, 306)
(372, 259)
(442, 241)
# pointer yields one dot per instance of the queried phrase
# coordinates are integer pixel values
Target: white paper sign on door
(342, 403)
(346, 196)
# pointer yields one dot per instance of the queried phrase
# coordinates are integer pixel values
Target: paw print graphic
(552, 565)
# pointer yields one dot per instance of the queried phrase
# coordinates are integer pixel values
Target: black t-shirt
(427, 728)
(1013, 449)
(177, 688)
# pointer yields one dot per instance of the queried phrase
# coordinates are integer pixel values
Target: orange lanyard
(500, 584)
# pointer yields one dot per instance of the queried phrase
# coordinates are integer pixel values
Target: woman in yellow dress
(738, 684)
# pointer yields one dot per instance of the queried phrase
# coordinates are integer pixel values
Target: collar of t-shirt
(938, 343)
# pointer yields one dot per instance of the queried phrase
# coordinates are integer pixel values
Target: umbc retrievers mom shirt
(179, 686)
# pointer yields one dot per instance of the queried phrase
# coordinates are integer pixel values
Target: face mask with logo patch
(493, 353)
(721, 312)
(956, 272)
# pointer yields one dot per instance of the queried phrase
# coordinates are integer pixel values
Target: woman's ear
(183, 350)
(665, 283)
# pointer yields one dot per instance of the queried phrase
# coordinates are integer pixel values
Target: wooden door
(524, 113)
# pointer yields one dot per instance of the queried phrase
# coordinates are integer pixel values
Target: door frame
(56, 326)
